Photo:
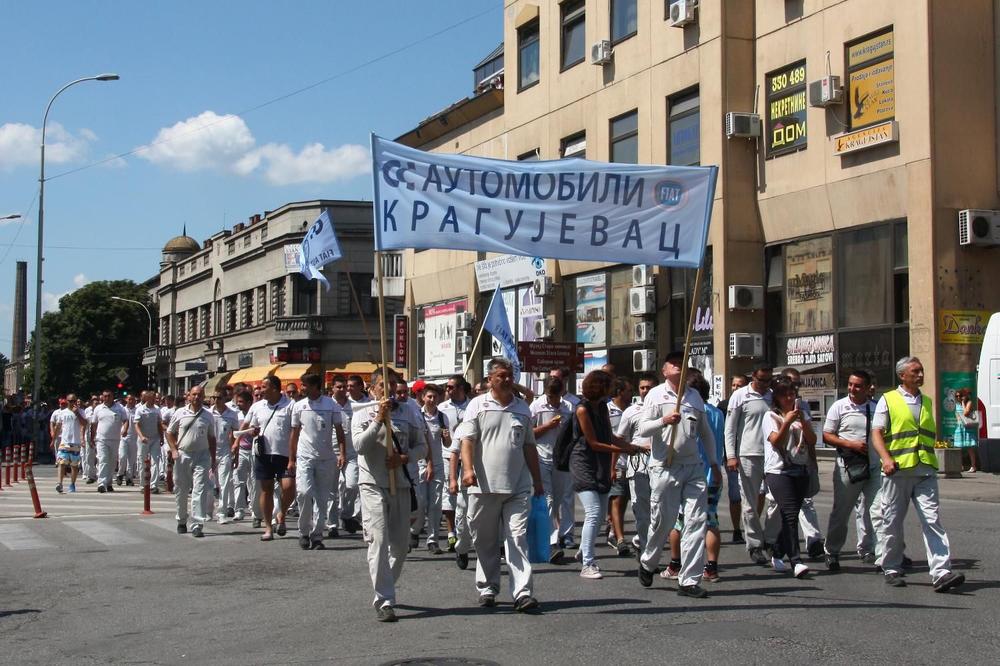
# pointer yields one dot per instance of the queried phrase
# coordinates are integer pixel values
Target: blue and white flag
(497, 325)
(319, 248)
(558, 209)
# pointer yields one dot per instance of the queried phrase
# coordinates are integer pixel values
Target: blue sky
(184, 65)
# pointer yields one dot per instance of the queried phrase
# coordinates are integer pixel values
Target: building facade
(237, 304)
(834, 241)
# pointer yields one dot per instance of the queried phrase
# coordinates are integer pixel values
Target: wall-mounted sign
(542, 356)
(786, 109)
(245, 359)
(876, 135)
(292, 258)
(507, 271)
(400, 328)
(810, 350)
(962, 327)
(440, 350)
(871, 85)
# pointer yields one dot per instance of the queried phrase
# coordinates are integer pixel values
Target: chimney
(19, 337)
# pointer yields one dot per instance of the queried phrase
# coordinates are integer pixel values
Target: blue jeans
(595, 508)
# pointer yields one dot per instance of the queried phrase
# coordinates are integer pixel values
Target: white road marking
(19, 537)
(104, 533)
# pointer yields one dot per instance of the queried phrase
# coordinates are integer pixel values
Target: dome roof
(181, 244)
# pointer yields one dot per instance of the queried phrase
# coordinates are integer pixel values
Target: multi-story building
(237, 304)
(835, 235)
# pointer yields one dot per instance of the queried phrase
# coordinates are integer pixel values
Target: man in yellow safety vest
(903, 433)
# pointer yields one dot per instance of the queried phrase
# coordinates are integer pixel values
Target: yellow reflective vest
(910, 443)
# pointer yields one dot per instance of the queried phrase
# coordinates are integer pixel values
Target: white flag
(319, 248)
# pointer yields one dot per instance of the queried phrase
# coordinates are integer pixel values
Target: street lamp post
(36, 355)
(148, 315)
(15, 216)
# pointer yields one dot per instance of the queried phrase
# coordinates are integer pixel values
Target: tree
(91, 338)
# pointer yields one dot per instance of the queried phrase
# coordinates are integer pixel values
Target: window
(304, 295)
(527, 56)
(230, 307)
(278, 298)
(809, 285)
(217, 318)
(246, 309)
(246, 240)
(871, 85)
(625, 138)
(192, 324)
(574, 146)
(573, 33)
(263, 233)
(864, 257)
(785, 117)
(530, 156)
(164, 330)
(204, 261)
(684, 132)
(231, 248)
(180, 329)
(624, 19)
(488, 68)
(180, 270)
(203, 319)
(346, 304)
(261, 305)
(622, 323)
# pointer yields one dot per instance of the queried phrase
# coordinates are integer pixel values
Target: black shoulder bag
(413, 493)
(856, 464)
(259, 443)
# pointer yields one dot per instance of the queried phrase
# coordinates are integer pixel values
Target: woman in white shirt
(791, 450)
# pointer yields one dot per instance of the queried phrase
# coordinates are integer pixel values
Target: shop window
(871, 86)
(591, 310)
(785, 110)
(527, 56)
(870, 350)
(864, 278)
(574, 146)
(625, 138)
(624, 19)
(622, 323)
(573, 33)
(684, 131)
(809, 286)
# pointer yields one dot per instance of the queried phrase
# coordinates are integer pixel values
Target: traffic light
(120, 386)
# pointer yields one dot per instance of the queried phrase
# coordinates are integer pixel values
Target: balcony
(299, 327)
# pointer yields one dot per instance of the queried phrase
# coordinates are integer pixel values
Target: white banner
(560, 209)
(508, 271)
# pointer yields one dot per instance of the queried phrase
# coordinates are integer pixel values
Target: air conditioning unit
(645, 331)
(463, 343)
(643, 360)
(979, 227)
(601, 52)
(464, 321)
(742, 125)
(545, 327)
(641, 301)
(542, 286)
(746, 297)
(826, 92)
(746, 345)
(682, 13)
(642, 276)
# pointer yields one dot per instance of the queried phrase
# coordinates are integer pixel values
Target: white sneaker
(239, 514)
(636, 542)
(591, 571)
(801, 570)
(779, 565)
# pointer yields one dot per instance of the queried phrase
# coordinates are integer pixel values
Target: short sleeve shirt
(455, 411)
(226, 424)
(543, 412)
(192, 429)
(109, 421)
(499, 434)
(796, 451)
(279, 426)
(69, 426)
(147, 419)
(317, 421)
(849, 420)
(435, 424)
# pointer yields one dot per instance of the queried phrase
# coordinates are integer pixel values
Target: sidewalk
(978, 487)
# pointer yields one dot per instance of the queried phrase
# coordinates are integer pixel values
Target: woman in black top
(590, 462)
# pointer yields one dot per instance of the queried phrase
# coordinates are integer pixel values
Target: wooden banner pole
(475, 346)
(682, 384)
(387, 423)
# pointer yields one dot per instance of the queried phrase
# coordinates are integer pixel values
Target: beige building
(236, 303)
(841, 216)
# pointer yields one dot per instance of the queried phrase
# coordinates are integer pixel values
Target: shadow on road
(22, 611)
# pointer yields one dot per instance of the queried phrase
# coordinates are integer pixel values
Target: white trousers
(496, 516)
(128, 451)
(350, 507)
(846, 496)
(673, 490)
(639, 488)
(314, 482)
(429, 506)
(898, 492)
(557, 484)
(245, 486)
(151, 449)
(386, 522)
(107, 459)
(192, 487)
(224, 477)
(751, 471)
(88, 460)
(463, 535)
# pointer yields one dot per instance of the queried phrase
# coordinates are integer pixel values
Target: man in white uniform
(191, 438)
(637, 466)
(551, 414)
(456, 392)
(128, 448)
(106, 430)
(386, 516)
(88, 455)
(149, 431)
(272, 419)
(314, 458)
(500, 471)
(246, 488)
(430, 487)
(166, 415)
(227, 422)
(350, 505)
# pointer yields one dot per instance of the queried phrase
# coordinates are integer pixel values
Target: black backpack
(563, 449)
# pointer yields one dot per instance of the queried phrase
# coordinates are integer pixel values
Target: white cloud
(80, 280)
(20, 144)
(114, 162)
(50, 301)
(225, 143)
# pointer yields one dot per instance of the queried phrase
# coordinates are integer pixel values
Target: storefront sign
(819, 382)
(870, 49)
(529, 310)
(962, 327)
(810, 350)
(245, 360)
(440, 349)
(809, 285)
(869, 137)
(541, 356)
(871, 86)
(950, 383)
(400, 327)
(507, 271)
(786, 109)
(591, 310)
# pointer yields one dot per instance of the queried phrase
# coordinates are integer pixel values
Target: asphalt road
(95, 583)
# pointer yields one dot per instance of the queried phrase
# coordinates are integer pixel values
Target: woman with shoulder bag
(590, 462)
(966, 435)
(787, 458)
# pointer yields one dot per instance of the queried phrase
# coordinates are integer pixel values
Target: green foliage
(91, 338)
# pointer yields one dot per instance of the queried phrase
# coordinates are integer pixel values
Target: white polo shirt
(317, 421)
(278, 419)
(542, 412)
(147, 419)
(109, 421)
(848, 420)
(499, 434)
